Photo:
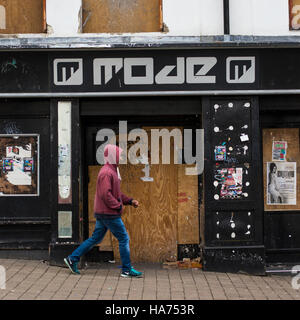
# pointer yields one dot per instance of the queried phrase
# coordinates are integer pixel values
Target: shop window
(294, 14)
(121, 16)
(19, 16)
(281, 156)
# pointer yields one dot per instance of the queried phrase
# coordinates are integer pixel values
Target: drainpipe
(226, 17)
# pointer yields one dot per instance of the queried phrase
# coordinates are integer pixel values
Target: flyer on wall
(231, 181)
(279, 149)
(281, 183)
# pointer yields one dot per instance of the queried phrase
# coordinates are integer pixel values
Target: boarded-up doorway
(167, 216)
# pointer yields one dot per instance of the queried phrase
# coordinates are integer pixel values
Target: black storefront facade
(234, 94)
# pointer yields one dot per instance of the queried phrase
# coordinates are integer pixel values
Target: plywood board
(118, 16)
(188, 216)
(291, 136)
(294, 10)
(152, 227)
(106, 244)
(22, 16)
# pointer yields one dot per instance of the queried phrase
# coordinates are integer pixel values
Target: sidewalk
(31, 280)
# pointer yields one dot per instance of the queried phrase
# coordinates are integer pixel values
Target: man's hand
(135, 203)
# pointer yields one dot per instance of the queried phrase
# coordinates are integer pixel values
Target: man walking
(108, 207)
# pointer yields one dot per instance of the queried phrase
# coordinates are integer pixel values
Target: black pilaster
(233, 219)
(62, 247)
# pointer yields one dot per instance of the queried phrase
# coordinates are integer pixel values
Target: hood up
(112, 154)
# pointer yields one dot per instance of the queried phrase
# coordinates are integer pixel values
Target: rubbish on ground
(186, 263)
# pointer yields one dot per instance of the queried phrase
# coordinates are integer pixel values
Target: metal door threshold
(283, 269)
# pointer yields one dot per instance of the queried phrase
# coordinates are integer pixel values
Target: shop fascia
(189, 70)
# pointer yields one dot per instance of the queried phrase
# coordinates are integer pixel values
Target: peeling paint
(50, 29)
(165, 28)
(141, 40)
(80, 25)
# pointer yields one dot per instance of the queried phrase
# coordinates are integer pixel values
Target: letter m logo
(68, 72)
(240, 69)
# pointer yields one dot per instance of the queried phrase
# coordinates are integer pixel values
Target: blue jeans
(117, 228)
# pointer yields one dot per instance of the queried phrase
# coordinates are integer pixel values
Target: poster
(281, 183)
(65, 224)
(64, 152)
(231, 180)
(279, 149)
(18, 160)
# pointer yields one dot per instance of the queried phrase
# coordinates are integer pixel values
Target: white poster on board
(281, 183)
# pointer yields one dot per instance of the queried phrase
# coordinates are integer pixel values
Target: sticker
(220, 153)
(28, 164)
(8, 164)
(244, 137)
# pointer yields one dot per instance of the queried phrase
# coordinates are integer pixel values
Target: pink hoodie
(109, 199)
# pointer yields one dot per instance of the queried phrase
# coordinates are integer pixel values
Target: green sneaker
(72, 265)
(132, 274)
